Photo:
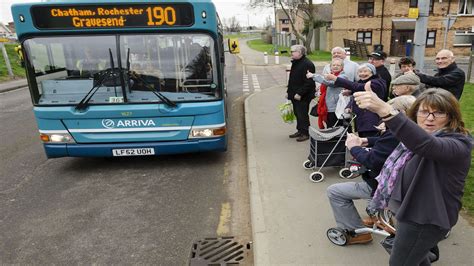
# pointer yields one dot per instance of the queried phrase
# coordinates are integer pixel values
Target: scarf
(322, 107)
(388, 177)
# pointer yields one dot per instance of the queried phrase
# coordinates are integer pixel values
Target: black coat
(298, 83)
(383, 73)
(450, 78)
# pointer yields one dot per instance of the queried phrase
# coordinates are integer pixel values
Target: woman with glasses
(430, 168)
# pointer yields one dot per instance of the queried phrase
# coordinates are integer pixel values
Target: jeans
(413, 242)
(341, 198)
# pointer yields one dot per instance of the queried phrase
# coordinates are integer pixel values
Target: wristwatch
(391, 114)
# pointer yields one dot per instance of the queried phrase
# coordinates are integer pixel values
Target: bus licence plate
(133, 152)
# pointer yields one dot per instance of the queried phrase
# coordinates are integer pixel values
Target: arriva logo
(109, 123)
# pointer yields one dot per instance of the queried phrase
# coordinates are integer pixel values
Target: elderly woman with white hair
(365, 120)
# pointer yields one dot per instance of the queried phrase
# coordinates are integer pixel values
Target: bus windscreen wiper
(101, 77)
(158, 94)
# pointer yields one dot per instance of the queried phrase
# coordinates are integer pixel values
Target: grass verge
(260, 45)
(467, 110)
(18, 71)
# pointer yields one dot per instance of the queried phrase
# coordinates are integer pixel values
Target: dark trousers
(413, 242)
(301, 109)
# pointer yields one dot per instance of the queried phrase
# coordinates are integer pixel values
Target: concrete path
(13, 85)
(290, 214)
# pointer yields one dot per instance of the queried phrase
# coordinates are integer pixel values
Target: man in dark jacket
(377, 59)
(300, 90)
(449, 77)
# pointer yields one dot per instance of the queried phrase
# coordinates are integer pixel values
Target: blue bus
(125, 78)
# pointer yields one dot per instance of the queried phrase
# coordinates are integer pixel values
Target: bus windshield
(63, 69)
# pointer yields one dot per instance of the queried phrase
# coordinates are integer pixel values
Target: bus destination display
(116, 16)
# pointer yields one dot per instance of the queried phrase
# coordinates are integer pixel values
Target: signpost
(469, 68)
(7, 61)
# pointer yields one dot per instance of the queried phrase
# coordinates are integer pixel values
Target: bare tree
(294, 9)
(232, 25)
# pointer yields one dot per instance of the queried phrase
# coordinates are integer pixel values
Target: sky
(225, 8)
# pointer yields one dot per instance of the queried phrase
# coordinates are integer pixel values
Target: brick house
(386, 22)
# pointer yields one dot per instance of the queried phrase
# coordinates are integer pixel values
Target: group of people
(420, 150)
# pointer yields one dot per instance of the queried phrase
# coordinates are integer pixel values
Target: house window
(466, 7)
(463, 38)
(285, 29)
(414, 3)
(285, 21)
(431, 38)
(366, 8)
(364, 36)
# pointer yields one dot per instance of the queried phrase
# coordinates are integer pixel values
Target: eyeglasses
(441, 58)
(436, 114)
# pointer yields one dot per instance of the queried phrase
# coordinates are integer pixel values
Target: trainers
(303, 137)
(360, 239)
(295, 135)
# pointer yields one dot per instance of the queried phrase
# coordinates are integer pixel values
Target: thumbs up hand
(309, 74)
(367, 86)
(367, 99)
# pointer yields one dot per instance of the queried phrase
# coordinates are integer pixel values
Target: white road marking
(256, 84)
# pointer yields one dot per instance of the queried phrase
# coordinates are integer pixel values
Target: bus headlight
(207, 132)
(56, 138)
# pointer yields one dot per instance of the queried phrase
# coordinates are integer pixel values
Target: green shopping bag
(286, 112)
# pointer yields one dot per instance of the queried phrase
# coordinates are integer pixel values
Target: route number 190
(158, 15)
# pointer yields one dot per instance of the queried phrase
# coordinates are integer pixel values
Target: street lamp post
(274, 28)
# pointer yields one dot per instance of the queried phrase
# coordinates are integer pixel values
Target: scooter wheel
(345, 173)
(337, 236)
(316, 177)
(308, 165)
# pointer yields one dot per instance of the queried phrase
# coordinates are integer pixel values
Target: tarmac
(290, 214)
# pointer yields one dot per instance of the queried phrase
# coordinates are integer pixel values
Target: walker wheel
(337, 236)
(345, 173)
(308, 165)
(316, 177)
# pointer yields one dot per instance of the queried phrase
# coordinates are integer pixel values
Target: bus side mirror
(234, 46)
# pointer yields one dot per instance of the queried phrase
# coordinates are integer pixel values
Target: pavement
(290, 214)
(13, 85)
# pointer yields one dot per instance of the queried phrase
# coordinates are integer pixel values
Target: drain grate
(219, 251)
